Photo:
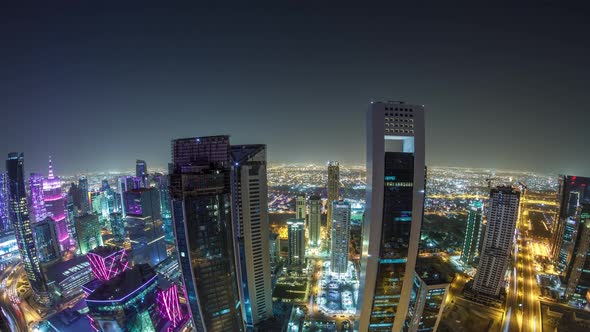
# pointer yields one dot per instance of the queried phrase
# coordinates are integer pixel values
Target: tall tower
(55, 206)
(19, 216)
(340, 237)
(296, 233)
(333, 190)
(495, 255)
(315, 221)
(251, 231)
(83, 195)
(201, 211)
(472, 232)
(5, 223)
(393, 214)
(578, 276)
(88, 233)
(300, 207)
(37, 202)
(46, 240)
(141, 172)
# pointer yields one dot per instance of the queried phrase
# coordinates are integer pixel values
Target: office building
(37, 204)
(315, 221)
(251, 231)
(83, 192)
(117, 226)
(19, 217)
(393, 213)
(46, 240)
(66, 278)
(300, 209)
(473, 232)
(5, 224)
(340, 237)
(201, 210)
(143, 225)
(275, 250)
(141, 172)
(55, 206)
(497, 245)
(333, 191)
(88, 233)
(296, 249)
(126, 302)
(577, 290)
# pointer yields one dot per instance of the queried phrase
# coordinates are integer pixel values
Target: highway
(8, 299)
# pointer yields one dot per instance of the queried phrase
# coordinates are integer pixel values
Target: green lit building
(472, 233)
(88, 235)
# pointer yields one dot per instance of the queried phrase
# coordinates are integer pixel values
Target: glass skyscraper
(315, 221)
(37, 203)
(296, 249)
(19, 216)
(393, 216)
(201, 211)
(472, 232)
(340, 237)
(5, 223)
(333, 191)
(55, 206)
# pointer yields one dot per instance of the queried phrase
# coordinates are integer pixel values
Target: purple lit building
(55, 206)
(107, 262)
(36, 201)
(169, 308)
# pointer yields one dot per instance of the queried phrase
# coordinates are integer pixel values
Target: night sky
(98, 87)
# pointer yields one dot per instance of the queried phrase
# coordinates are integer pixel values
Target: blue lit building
(201, 211)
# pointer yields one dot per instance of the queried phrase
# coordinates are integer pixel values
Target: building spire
(50, 176)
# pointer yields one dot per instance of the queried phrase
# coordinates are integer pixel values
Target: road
(8, 300)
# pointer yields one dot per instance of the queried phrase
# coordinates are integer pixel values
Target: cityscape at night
(236, 168)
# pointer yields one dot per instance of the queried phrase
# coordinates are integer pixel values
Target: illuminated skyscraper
(117, 226)
(296, 233)
(5, 223)
(315, 221)
(141, 171)
(107, 262)
(275, 249)
(393, 215)
(340, 238)
(88, 232)
(472, 232)
(201, 211)
(19, 216)
(300, 207)
(578, 273)
(497, 245)
(251, 229)
(46, 240)
(55, 206)
(333, 190)
(37, 204)
(84, 199)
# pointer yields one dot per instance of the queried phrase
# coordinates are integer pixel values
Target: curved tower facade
(55, 206)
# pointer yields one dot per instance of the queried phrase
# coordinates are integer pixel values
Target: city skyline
(91, 70)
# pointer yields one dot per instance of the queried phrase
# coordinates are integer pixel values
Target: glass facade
(472, 232)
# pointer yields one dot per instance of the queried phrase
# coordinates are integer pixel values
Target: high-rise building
(340, 237)
(46, 240)
(5, 223)
(497, 245)
(117, 226)
(393, 213)
(333, 190)
(201, 210)
(37, 203)
(578, 276)
(141, 171)
(84, 199)
(472, 232)
(573, 191)
(144, 225)
(251, 229)
(296, 249)
(315, 221)
(300, 207)
(55, 206)
(19, 217)
(126, 302)
(88, 232)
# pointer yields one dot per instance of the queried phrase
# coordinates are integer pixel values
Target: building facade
(141, 172)
(473, 232)
(46, 240)
(88, 232)
(201, 210)
(5, 223)
(37, 203)
(393, 214)
(333, 190)
(340, 237)
(497, 245)
(578, 277)
(296, 249)
(315, 221)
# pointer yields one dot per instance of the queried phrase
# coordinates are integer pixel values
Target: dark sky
(98, 87)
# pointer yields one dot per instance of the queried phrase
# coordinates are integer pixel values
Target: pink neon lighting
(169, 305)
(92, 323)
(106, 268)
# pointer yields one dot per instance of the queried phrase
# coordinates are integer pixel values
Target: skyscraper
(300, 207)
(393, 214)
(333, 190)
(296, 250)
(141, 172)
(19, 216)
(275, 250)
(201, 211)
(88, 232)
(117, 226)
(495, 255)
(46, 240)
(472, 232)
(55, 206)
(83, 195)
(251, 231)
(315, 221)
(37, 203)
(5, 223)
(340, 237)
(578, 276)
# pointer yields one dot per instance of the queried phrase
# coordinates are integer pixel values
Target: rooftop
(433, 270)
(240, 153)
(124, 284)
